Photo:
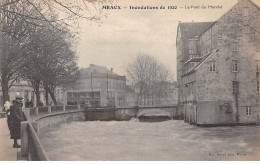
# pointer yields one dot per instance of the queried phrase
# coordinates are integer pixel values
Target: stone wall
(217, 86)
(236, 35)
(57, 119)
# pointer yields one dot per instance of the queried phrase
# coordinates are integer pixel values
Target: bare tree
(52, 62)
(13, 41)
(20, 18)
(145, 72)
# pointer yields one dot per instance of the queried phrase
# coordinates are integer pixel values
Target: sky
(125, 33)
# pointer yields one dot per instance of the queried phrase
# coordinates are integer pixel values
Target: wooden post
(78, 106)
(49, 109)
(36, 111)
(24, 138)
(64, 108)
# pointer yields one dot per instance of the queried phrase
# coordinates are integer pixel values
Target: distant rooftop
(98, 70)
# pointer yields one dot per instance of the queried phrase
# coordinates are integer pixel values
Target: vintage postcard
(137, 80)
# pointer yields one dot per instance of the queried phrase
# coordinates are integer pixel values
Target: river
(160, 141)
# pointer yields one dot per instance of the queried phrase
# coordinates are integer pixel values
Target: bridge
(38, 118)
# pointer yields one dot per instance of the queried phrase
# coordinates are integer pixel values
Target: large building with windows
(218, 67)
(97, 86)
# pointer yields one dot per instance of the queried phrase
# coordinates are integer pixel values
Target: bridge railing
(31, 146)
(126, 113)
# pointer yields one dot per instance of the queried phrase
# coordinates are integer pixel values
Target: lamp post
(107, 89)
(91, 83)
(1, 53)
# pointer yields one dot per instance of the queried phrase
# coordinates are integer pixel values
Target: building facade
(97, 86)
(218, 67)
(161, 94)
(26, 91)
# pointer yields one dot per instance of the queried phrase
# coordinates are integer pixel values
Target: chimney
(111, 69)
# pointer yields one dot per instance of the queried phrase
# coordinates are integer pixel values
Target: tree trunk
(46, 97)
(46, 94)
(139, 96)
(4, 84)
(36, 87)
(137, 99)
(51, 91)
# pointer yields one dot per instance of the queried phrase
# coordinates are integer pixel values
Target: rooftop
(201, 62)
(194, 29)
(97, 70)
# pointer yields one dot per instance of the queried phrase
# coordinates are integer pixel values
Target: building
(97, 86)
(161, 94)
(26, 90)
(130, 95)
(218, 67)
(166, 93)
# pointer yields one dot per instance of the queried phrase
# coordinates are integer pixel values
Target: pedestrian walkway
(7, 152)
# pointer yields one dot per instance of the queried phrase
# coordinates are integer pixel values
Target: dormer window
(192, 64)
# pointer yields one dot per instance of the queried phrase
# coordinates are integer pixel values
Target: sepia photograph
(135, 80)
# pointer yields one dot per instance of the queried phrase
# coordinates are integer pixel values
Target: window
(212, 66)
(111, 95)
(192, 47)
(258, 87)
(220, 34)
(234, 65)
(235, 47)
(192, 64)
(235, 87)
(248, 111)
(257, 66)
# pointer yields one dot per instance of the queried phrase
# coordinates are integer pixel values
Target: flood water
(133, 140)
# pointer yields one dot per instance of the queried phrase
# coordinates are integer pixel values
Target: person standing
(16, 118)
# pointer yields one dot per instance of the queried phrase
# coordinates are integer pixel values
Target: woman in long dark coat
(15, 123)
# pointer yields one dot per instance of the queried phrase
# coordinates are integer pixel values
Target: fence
(31, 146)
(43, 110)
(56, 108)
